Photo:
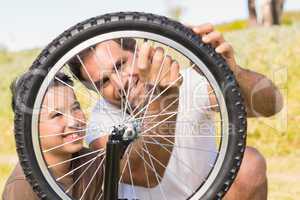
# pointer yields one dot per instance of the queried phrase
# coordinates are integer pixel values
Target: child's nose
(73, 122)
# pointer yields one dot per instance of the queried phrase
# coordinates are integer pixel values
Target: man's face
(112, 67)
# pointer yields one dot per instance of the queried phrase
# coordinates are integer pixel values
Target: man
(251, 181)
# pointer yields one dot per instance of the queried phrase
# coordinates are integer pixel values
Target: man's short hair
(127, 44)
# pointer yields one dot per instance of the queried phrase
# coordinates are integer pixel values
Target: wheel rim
(134, 34)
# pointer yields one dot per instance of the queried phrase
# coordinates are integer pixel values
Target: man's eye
(101, 83)
(77, 107)
(105, 82)
(120, 63)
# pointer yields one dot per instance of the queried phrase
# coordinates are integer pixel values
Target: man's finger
(214, 38)
(165, 73)
(143, 60)
(225, 49)
(137, 95)
(117, 83)
(157, 63)
(203, 29)
(174, 71)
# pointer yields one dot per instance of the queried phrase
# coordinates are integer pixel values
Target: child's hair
(17, 82)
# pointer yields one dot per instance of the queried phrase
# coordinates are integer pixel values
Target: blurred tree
(174, 9)
(3, 48)
(252, 12)
(277, 10)
(270, 12)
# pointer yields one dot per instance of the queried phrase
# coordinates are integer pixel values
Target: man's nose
(130, 68)
(73, 122)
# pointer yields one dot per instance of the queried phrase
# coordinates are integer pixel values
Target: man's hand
(159, 78)
(261, 96)
(216, 39)
(157, 67)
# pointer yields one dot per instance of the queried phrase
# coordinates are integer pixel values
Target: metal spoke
(100, 195)
(89, 76)
(58, 146)
(63, 133)
(183, 136)
(130, 175)
(73, 170)
(184, 147)
(128, 151)
(72, 87)
(155, 85)
(160, 111)
(130, 80)
(175, 157)
(119, 78)
(96, 100)
(158, 123)
(174, 174)
(69, 132)
(146, 173)
(79, 177)
(75, 158)
(80, 81)
(90, 182)
(156, 175)
(156, 97)
(152, 89)
(68, 116)
(98, 60)
(175, 112)
(172, 83)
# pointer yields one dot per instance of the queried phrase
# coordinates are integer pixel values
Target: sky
(32, 23)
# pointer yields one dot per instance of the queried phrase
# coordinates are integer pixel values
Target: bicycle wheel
(205, 142)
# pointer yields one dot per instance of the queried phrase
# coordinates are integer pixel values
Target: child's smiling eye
(55, 115)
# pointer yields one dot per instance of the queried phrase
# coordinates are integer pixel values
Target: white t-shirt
(191, 157)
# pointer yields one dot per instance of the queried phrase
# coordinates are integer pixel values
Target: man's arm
(262, 97)
(154, 146)
(150, 154)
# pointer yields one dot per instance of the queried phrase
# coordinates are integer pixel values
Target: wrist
(236, 69)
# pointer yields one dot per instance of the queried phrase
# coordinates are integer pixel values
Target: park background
(27, 26)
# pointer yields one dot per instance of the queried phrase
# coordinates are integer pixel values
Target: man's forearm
(261, 96)
(151, 152)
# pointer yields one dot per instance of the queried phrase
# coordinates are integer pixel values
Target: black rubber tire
(29, 88)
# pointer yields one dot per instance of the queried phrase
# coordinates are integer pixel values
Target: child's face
(61, 122)
(101, 64)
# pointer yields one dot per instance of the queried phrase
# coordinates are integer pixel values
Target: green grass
(284, 176)
(233, 26)
(12, 64)
(288, 19)
(273, 51)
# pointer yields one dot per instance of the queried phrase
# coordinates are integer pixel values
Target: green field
(273, 51)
